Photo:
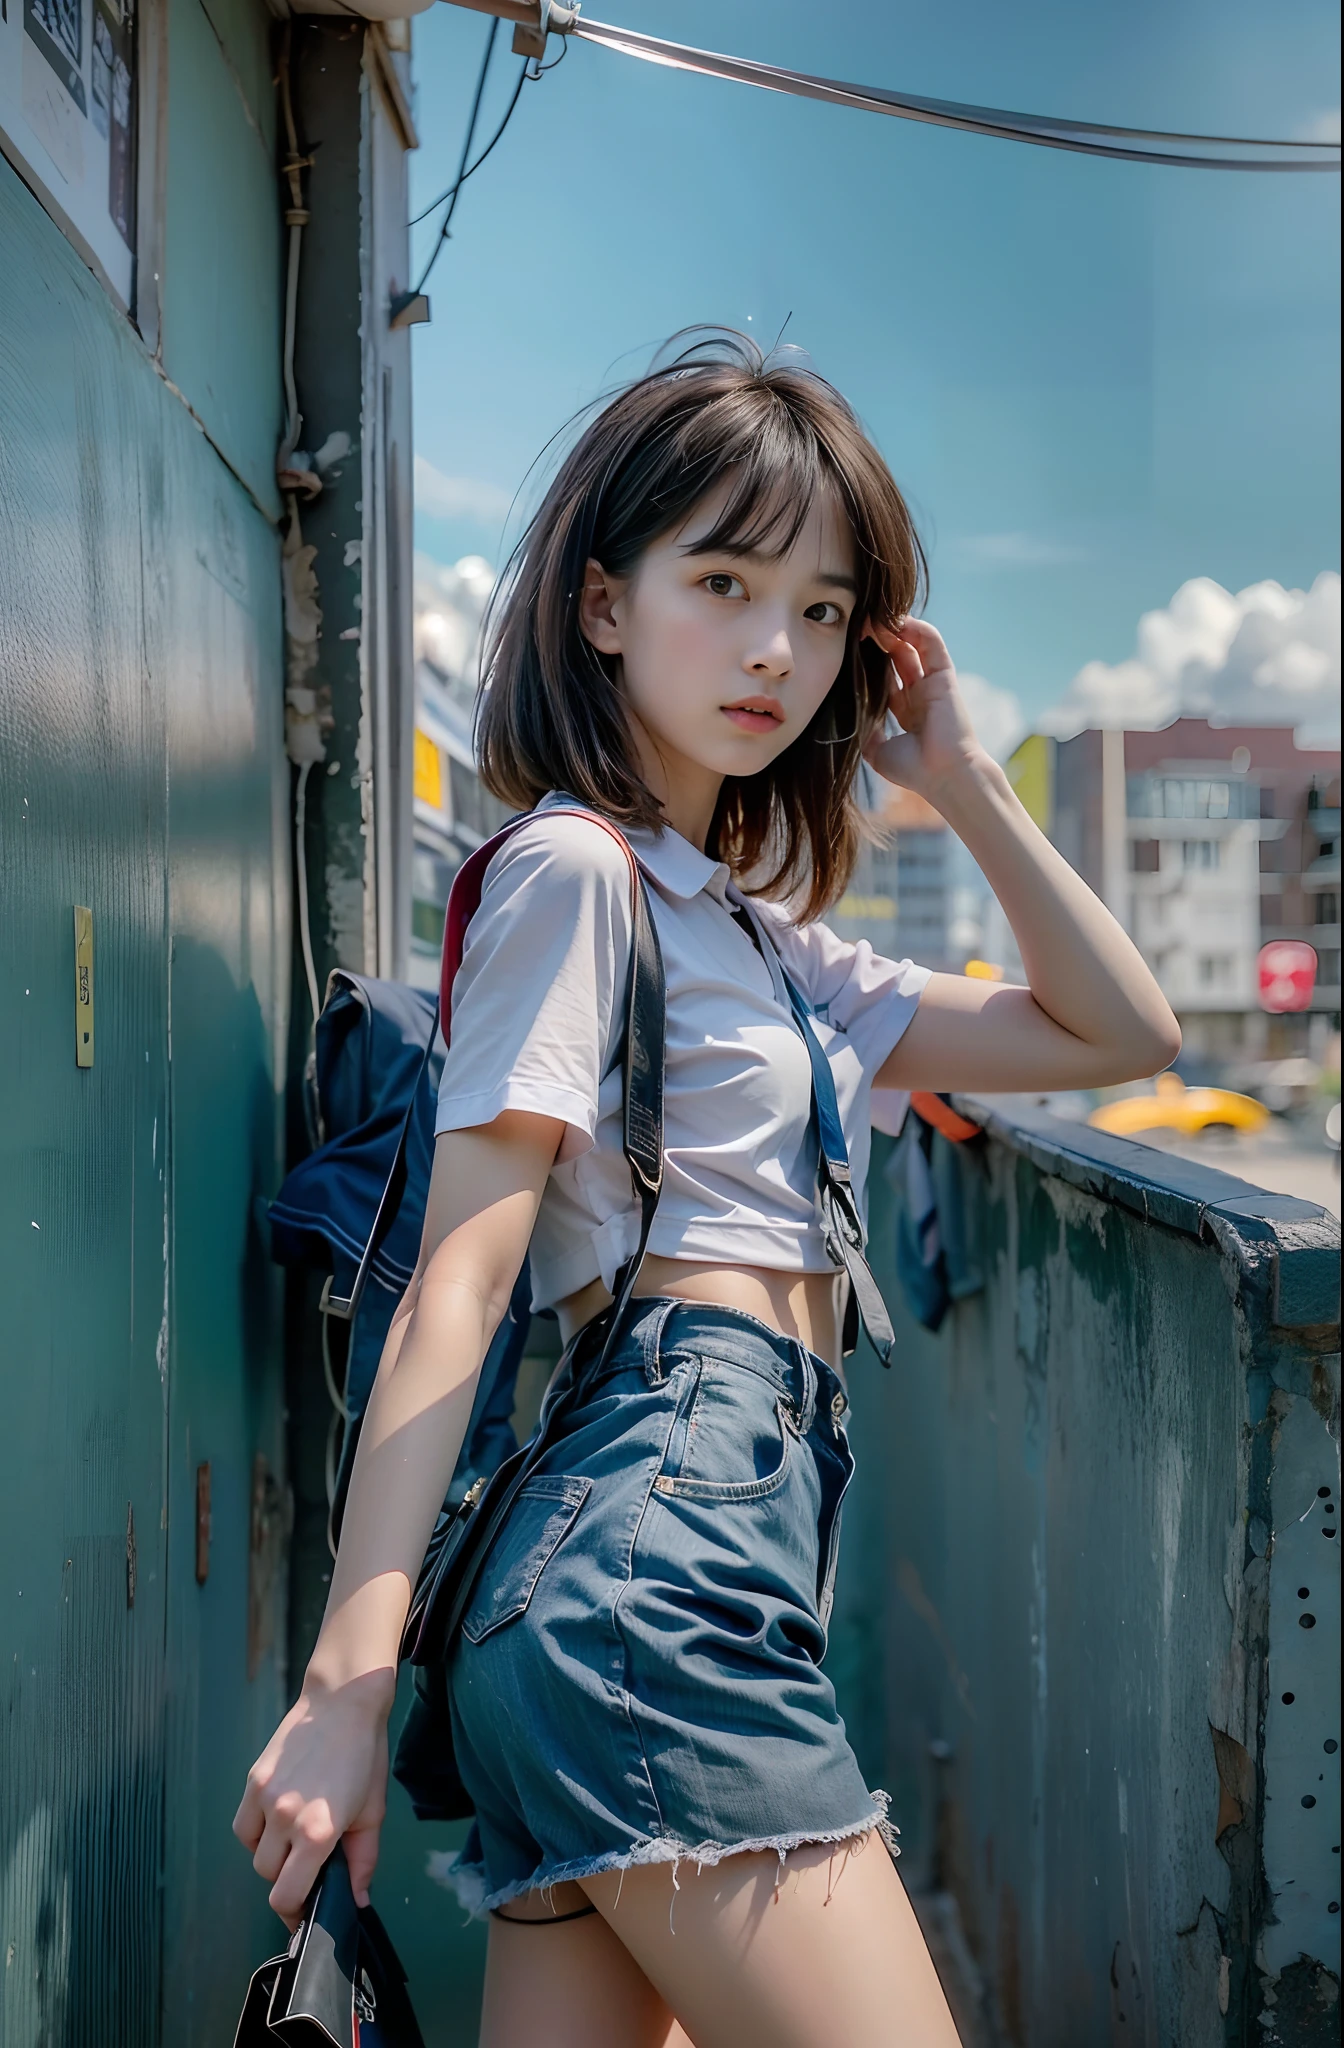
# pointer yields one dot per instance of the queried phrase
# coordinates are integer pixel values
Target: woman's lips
(754, 714)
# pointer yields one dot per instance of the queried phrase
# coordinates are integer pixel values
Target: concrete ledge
(1299, 1241)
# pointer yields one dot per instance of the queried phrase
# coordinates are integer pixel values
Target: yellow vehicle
(1174, 1107)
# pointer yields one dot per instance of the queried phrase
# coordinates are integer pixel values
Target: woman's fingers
(361, 1854)
(268, 1858)
(250, 1819)
(927, 642)
(312, 1839)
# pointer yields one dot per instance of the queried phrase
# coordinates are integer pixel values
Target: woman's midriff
(808, 1306)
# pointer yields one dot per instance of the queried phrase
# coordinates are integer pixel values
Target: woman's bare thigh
(552, 1982)
(748, 1957)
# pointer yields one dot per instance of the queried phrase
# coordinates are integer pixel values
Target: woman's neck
(686, 792)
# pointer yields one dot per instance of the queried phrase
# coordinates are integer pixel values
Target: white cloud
(1018, 551)
(1322, 127)
(1266, 656)
(449, 605)
(996, 715)
(457, 497)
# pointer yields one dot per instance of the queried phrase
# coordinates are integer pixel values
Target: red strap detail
(938, 1111)
(464, 898)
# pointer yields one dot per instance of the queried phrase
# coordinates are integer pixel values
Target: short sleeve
(536, 994)
(860, 992)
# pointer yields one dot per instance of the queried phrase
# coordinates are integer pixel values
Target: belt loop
(651, 1341)
(807, 1396)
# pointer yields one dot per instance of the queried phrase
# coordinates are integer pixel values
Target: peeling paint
(333, 450)
(307, 705)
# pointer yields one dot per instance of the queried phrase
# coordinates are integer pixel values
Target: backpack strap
(644, 1057)
(841, 1223)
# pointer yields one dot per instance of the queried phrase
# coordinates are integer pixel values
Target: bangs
(775, 472)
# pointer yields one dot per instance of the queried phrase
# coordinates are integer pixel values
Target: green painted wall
(142, 773)
(220, 290)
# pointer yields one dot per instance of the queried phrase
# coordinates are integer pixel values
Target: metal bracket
(408, 309)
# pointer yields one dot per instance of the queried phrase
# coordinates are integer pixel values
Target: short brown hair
(552, 716)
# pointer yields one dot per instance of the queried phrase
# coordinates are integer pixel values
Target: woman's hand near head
(1092, 1013)
(322, 1778)
(936, 737)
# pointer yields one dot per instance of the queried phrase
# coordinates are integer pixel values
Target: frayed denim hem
(467, 1880)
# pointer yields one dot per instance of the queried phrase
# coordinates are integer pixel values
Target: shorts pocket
(538, 1521)
(686, 1488)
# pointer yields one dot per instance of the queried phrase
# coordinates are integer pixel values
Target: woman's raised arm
(1093, 1013)
(323, 1775)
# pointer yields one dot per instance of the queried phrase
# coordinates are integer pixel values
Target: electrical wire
(466, 153)
(301, 887)
(472, 169)
(1088, 138)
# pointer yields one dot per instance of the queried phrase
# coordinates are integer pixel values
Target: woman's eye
(723, 585)
(825, 614)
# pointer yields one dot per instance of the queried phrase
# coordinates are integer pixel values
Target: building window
(1201, 853)
(1327, 908)
(1215, 970)
(473, 805)
(1180, 796)
(1327, 967)
(431, 878)
(1145, 856)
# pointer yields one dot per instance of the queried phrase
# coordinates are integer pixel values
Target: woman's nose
(772, 656)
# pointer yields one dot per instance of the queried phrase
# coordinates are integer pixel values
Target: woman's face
(725, 658)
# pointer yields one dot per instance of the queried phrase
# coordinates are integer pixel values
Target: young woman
(706, 629)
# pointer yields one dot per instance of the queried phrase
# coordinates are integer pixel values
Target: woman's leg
(553, 1982)
(746, 1957)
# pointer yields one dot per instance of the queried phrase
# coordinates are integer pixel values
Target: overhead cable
(1088, 138)
(467, 140)
(452, 190)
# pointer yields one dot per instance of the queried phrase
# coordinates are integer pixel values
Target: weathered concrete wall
(1082, 1553)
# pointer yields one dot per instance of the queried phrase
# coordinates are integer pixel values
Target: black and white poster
(67, 119)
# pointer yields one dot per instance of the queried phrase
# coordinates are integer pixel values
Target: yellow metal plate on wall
(83, 986)
(428, 771)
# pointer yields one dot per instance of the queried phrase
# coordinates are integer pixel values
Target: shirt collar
(678, 868)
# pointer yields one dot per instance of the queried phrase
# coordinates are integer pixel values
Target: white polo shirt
(537, 1024)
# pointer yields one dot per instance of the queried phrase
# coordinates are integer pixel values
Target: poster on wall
(67, 121)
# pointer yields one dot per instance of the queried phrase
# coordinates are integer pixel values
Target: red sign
(1287, 975)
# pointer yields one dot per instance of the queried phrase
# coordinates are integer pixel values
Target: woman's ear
(597, 617)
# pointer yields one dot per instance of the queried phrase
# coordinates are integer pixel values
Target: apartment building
(1206, 842)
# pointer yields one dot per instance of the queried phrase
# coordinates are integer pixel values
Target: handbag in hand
(339, 1984)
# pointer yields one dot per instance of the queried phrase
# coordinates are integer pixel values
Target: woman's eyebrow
(835, 579)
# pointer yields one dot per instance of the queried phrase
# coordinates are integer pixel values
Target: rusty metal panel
(1070, 1592)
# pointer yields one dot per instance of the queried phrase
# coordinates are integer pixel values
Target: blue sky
(1094, 380)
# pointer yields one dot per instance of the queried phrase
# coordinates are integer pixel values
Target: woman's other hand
(321, 1779)
(937, 738)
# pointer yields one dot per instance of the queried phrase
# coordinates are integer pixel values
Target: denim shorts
(638, 1677)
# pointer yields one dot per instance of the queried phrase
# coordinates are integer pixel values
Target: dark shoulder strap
(645, 1064)
(841, 1223)
(645, 1040)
